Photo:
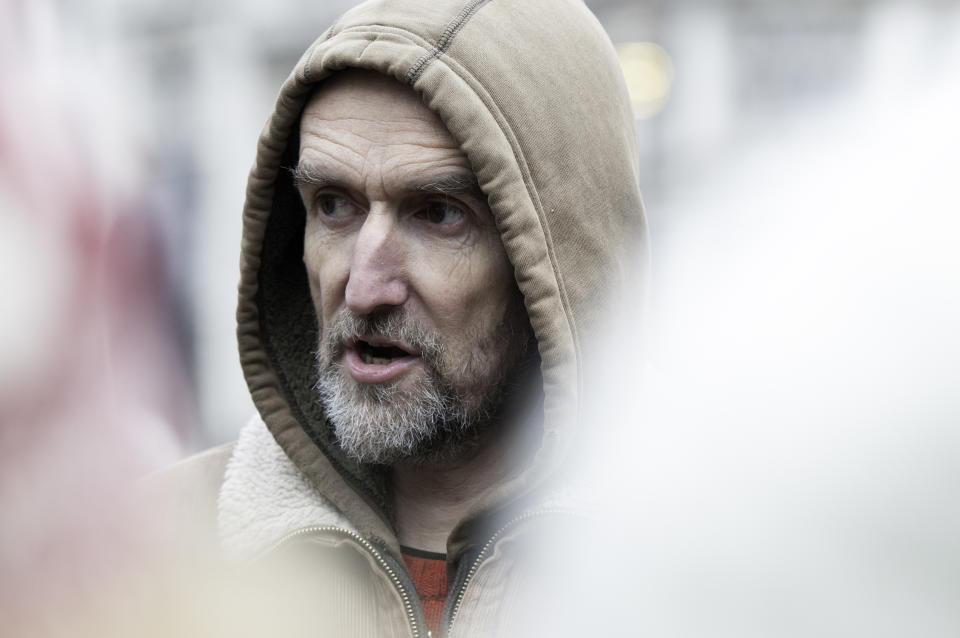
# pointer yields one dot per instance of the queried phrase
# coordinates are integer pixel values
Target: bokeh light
(648, 70)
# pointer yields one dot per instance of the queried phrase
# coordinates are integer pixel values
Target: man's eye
(442, 213)
(335, 205)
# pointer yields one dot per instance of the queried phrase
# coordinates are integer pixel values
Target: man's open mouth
(379, 354)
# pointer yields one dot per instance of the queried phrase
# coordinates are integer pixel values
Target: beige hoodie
(532, 91)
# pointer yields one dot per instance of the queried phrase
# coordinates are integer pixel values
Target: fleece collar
(265, 497)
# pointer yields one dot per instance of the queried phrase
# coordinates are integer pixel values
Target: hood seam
(446, 38)
(374, 29)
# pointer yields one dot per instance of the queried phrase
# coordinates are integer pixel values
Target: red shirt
(429, 572)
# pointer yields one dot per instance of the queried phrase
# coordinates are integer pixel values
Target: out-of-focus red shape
(93, 390)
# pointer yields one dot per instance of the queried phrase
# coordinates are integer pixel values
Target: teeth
(366, 357)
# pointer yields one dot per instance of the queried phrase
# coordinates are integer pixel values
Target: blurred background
(798, 161)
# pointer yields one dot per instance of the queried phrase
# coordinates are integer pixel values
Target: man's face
(421, 322)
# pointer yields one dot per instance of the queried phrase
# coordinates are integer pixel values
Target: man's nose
(377, 279)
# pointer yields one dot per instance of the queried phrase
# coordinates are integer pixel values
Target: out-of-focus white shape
(702, 107)
(648, 70)
(34, 289)
(790, 466)
(227, 102)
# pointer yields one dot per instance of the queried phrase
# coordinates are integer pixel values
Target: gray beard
(433, 420)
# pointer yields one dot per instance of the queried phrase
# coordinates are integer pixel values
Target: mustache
(394, 324)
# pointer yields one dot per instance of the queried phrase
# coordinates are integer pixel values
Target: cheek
(327, 268)
(469, 294)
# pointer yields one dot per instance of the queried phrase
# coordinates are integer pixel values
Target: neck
(431, 498)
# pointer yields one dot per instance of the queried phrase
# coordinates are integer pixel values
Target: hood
(533, 93)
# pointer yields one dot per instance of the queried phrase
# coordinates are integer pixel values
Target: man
(441, 198)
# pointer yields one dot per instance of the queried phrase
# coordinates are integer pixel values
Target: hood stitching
(375, 29)
(443, 43)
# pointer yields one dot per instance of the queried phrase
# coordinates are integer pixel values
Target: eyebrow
(462, 183)
(312, 175)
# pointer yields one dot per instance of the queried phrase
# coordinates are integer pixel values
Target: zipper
(486, 548)
(377, 556)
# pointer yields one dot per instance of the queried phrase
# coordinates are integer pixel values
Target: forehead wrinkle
(353, 114)
(412, 166)
(400, 158)
(389, 151)
(403, 177)
(343, 140)
(372, 128)
(377, 172)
